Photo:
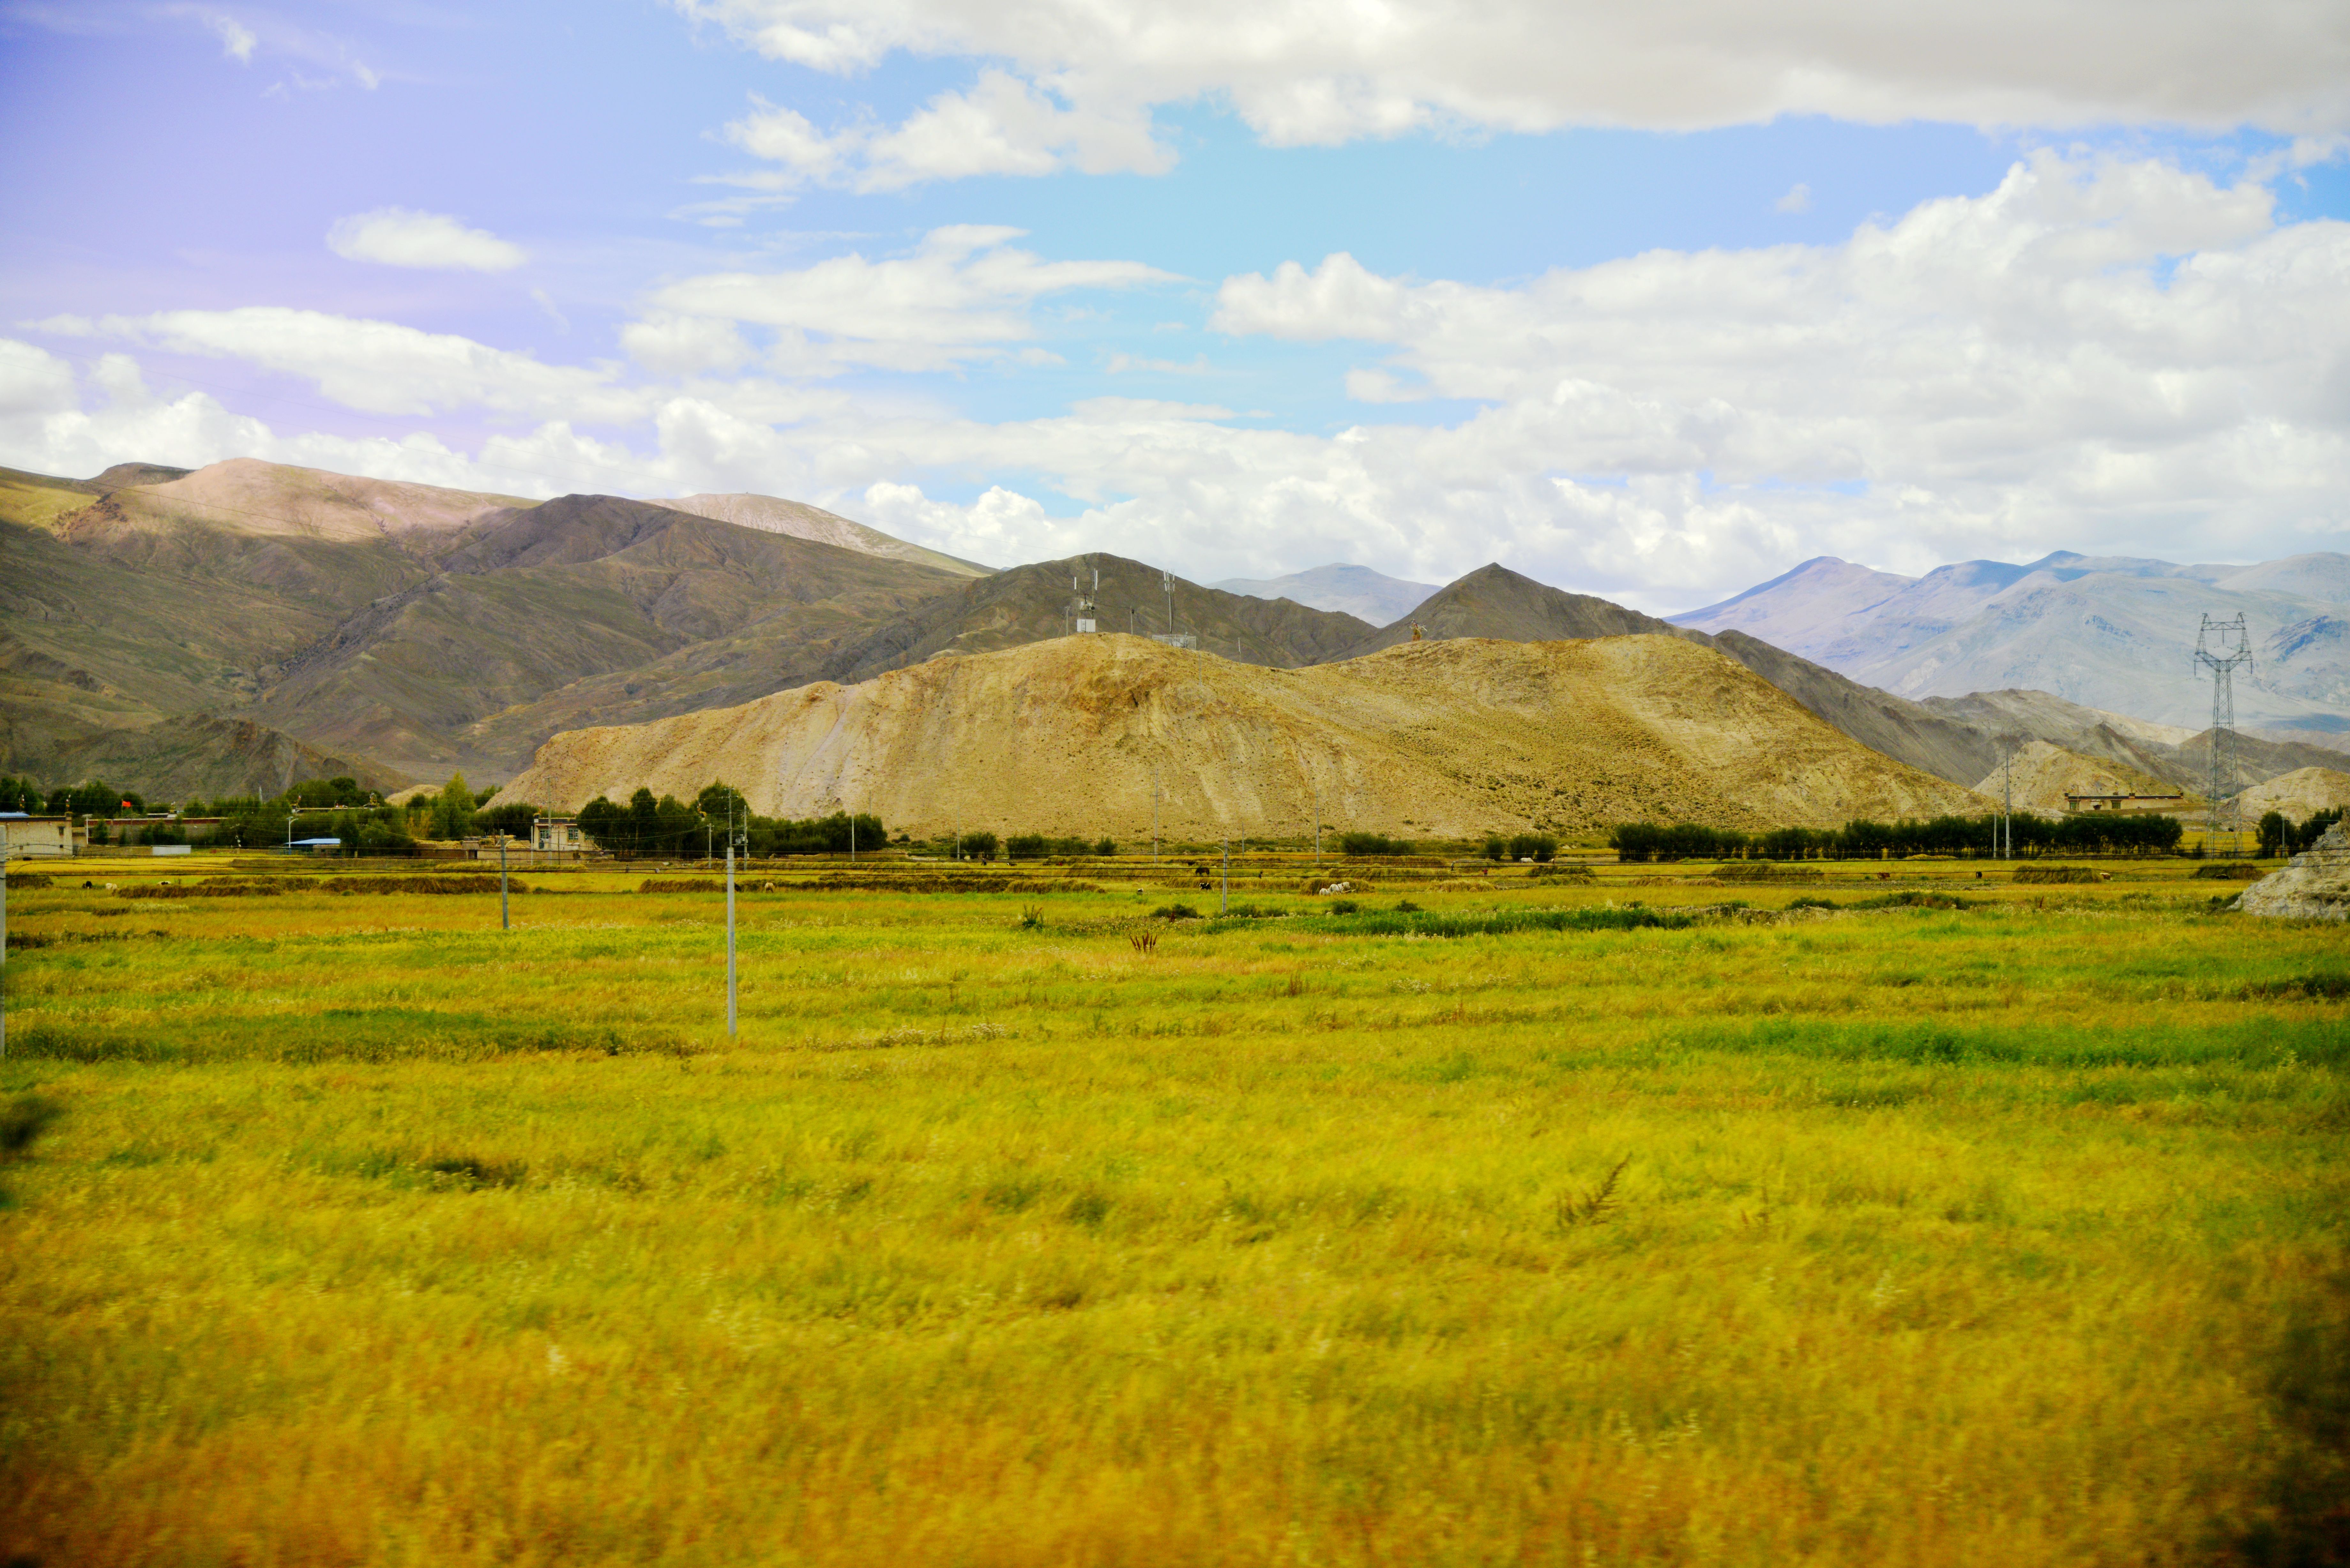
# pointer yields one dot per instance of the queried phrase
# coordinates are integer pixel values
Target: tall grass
(366, 1232)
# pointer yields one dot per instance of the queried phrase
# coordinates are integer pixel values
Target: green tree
(453, 809)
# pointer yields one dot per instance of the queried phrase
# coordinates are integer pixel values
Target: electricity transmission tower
(2006, 837)
(2223, 646)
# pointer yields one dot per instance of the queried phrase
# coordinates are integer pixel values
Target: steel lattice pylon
(2223, 647)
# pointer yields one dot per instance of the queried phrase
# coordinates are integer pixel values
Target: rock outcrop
(2314, 885)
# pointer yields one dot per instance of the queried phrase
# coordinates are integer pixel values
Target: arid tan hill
(774, 515)
(245, 495)
(2042, 775)
(1454, 737)
(1031, 604)
(2299, 794)
(1496, 602)
(1905, 731)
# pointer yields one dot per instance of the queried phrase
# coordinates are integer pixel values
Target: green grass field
(367, 1233)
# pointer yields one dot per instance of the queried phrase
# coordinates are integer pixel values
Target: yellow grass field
(1685, 1229)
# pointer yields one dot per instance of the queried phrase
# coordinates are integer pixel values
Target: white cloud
(2110, 356)
(236, 40)
(379, 367)
(1324, 71)
(395, 236)
(1797, 200)
(963, 294)
(1002, 125)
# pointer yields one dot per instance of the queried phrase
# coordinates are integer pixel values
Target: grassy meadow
(1697, 1229)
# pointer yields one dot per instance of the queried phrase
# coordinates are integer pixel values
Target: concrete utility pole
(503, 924)
(3, 945)
(1225, 906)
(729, 936)
(1154, 814)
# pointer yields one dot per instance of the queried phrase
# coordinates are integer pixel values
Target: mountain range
(1358, 591)
(2113, 633)
(239, 626)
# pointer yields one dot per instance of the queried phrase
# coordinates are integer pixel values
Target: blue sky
(1651, 309)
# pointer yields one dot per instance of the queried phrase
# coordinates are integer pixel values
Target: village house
(2123, 800)
(557, 836)
(25, 835)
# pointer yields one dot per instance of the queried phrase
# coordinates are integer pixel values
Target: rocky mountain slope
(407, 630)
(2299, 794)
(774, 515)
(1368, 596)
(2039, 777)
(1028, 604)
(1453, 737)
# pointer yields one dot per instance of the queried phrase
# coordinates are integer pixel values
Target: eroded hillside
(1452, 737)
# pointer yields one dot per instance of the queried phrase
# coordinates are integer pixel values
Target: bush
(1107, 847)
(1539, 847)
(1372, 843)
(1024, 846)
(2062, 874)
(1174, 912)
(1497, 848)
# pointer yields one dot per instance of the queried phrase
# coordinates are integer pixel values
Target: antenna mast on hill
(2223, 646)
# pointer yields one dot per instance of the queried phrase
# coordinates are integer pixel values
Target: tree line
(2280, 837)
(2140, 832)
(648, 826)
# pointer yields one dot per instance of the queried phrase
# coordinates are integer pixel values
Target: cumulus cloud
(2116, 357)
(395, 236)
(963, 294)
(1002, 125)
(1798, 198)
(1325, 71)
(379, 367)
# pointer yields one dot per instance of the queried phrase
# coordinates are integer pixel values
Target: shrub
(1371, 843)
(1107, 847)
(1344, 907)
(1174, 912)
(2217, 871)
(2064, 872)
(1539, 847)
(1497, 848)
(1024, 846)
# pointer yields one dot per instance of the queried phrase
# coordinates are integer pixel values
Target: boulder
(2314, 885)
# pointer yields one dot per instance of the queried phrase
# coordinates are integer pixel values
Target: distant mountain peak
(1358, 591)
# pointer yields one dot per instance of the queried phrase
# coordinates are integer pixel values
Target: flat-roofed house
(2122, 800)
(25, 834)
(557, 836)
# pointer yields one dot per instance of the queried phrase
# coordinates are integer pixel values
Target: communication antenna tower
(1081, 608)
(2223, 647)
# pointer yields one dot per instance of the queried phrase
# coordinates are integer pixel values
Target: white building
(25, 835)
